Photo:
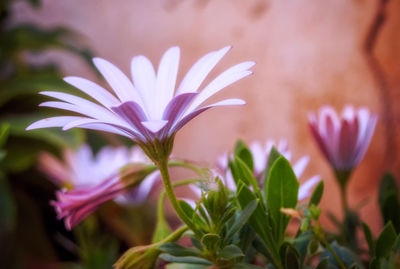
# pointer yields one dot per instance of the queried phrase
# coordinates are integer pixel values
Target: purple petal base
(75, 205)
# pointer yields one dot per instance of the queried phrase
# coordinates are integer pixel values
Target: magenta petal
(186, 119)
(347, 143)
(134, 115)
(175, 110)
(75, 205)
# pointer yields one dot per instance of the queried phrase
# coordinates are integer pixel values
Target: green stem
(320, 236)
(194, 168)
(161, 199)
(343, 177)
(163, 167)
(343, 199)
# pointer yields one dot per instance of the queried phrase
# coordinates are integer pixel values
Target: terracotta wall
(308, 53)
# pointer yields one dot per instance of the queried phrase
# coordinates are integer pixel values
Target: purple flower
(88, 181)
(260, 153)
(148, 110)
(343, 139)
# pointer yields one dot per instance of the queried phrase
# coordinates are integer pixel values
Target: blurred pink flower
(88, 181)
(149, 107)
(260, 153)
(343, 139)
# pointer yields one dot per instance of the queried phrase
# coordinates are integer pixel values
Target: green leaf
(289, 256)
(245, 174)
(389, 201)
(258, 220)
(243, 153)
(177, 250)
(211, 241)
(313, 247)
(241, 221)
(161, 231)
(4, 130)
(369, 239)
(230, 252)
(188, 259)
(292, 260)
(385, 241)
(317, 194)
(346, 255)
(273, 156)
(185, 266)
(8, 207)
(187, 209)
(387, 186)
(196, 243)
(301, 242)
(323, 264)
(281, 192)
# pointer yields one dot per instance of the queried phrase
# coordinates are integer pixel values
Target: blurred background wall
(308, 53)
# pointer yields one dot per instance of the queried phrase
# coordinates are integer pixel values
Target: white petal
(166, 79)
(199, 71)
(305, 188)
(118, 81)
(92, 109)
(144, 78)
(92, 124)
(146, 185)
(259, 156)
(228, 77)
(196, 190)
(52, 122)
(93, 90)
(154, 125)
(300, 166)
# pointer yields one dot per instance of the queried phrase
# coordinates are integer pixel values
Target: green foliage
(281, 192)
(389, 201)
(317, 194)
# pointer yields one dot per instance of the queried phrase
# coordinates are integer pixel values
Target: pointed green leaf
(187, 209)
(369, 239)
(317, 194)
(273, 156)
(187, 259)
(177, 250)
(243, 153)
(230, 252)
(385, 241)
(281, 192)
(242, 220)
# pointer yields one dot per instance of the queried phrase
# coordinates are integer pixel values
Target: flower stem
(163, 167)
(161, 199)
(343, 199)
(317, 230)
(185, 164)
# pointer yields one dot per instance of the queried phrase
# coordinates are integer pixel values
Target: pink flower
(93, 180)
(149, 108)
(343, 139)
(260, 153)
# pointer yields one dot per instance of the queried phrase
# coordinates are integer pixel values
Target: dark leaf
(177, 250)
(385, 241)
(317, 194)
(369, 239)
(188, 259)
(231, 252)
